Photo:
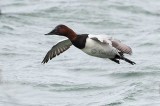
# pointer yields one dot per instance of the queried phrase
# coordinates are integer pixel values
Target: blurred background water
(74, 78)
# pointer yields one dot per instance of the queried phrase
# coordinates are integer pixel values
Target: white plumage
(105, 47)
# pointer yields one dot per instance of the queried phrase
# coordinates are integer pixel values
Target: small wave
(7, 27)
(146, 44)
(0, 75)
(134, 74)
(0, 12)
(78, 88)
(134, 9)
(114, 104)
(17, 104)
(55, 87)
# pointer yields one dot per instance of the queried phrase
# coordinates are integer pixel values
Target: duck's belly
(96, 49)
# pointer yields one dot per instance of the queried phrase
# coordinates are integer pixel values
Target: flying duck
(93, 45)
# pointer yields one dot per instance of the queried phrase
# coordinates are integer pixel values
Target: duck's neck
(71, 35)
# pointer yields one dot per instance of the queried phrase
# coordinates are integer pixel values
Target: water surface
(74, 78)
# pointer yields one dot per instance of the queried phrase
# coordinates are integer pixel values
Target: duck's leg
(115, 60)
(127, 60)
(122, 58)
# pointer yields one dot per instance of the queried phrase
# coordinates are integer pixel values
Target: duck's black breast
(80, 41)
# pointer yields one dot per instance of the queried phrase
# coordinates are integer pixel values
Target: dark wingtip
(44, 61)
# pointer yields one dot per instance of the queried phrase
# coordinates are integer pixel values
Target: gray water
(74, 78)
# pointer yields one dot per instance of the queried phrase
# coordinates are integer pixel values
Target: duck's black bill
(47, 34)
(53, 32)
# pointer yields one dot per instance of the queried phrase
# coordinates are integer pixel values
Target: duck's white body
(102, 47)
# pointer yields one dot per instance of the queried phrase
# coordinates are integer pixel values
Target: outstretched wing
(121, 47)
(57, 49)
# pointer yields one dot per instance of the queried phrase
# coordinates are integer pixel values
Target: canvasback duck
(94, 45)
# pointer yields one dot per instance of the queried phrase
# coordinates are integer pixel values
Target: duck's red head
(62, 30)
(59, 30)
